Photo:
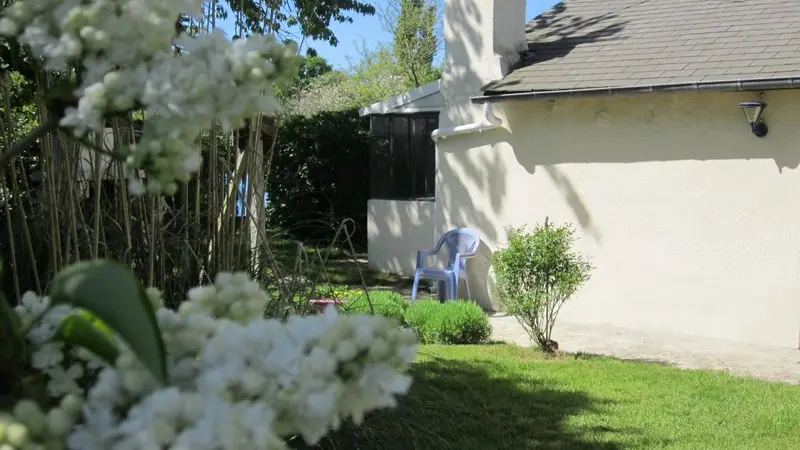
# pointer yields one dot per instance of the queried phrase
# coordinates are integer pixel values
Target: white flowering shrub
(125, 59)
(122, 371)
(235, 380)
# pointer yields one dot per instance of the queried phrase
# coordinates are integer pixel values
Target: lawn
(506, 397)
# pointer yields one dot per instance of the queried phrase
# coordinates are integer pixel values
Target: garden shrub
(335, 291)
(384, 303)
(452, 322)
(536, 274)
(318, 177)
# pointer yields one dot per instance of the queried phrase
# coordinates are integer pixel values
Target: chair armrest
(421, 254)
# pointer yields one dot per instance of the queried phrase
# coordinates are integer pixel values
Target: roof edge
(385, 106)
(738, 85)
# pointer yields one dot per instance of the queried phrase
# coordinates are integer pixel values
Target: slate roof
(618, 43)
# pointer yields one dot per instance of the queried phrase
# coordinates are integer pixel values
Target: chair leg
(452, 289)
(414, 288)
(466, 283)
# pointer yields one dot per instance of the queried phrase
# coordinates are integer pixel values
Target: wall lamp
(752, 111)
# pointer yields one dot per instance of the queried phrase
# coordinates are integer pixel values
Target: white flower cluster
(123, 49)
(30, 428)
(63, 367)
(237, 380)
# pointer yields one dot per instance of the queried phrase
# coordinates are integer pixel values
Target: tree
(311, 18)
(374, 78)
(312, 66)
(416, 41)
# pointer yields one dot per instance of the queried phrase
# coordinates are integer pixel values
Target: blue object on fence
(462, 244)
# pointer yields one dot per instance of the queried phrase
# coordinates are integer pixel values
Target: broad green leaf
(96, 321)
(110, 291)
(79, 330)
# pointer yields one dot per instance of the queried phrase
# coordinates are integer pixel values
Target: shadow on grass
(459, 405)
(590, 356)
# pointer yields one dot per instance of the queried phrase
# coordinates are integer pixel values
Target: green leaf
(96, 321)
(111, 291)
(79, 330)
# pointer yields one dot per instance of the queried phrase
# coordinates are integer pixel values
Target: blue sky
(370, 30)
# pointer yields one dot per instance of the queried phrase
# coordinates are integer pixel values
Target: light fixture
(752, 111)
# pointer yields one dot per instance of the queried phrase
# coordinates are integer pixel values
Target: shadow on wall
(635, 129)
(482, 169)
(464, 44)
(575, 201)
(472, 169)
(396, 230)
(649, 128)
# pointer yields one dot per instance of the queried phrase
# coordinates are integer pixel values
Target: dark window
(403, 156)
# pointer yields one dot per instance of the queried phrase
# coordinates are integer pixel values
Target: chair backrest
(460, 240)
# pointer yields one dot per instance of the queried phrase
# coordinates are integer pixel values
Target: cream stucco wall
(482, 39)
(693, 223)
(395, 231)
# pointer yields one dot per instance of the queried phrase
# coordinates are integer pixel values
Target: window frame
(417, 159)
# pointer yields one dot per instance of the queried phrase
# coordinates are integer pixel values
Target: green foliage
(334, 291)
(312, 66)
(375, 77)
(415, 42)
(384, 302)
(536, 274)
(308, 18)
(318, 176)
(22, 93)
(82, 331)
(110, 291)
(452, 322)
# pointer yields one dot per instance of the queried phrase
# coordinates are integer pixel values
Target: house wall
(89, 159)
(395, 231)
(692, 223)
(483, 39)
(434, 100)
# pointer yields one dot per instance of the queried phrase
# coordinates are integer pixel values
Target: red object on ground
(319, 304)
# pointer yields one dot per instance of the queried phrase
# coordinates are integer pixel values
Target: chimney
(483, 40)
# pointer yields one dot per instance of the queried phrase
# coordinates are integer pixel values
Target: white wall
(395, 231)
(89, 159)
(692, 222)
(483, 39)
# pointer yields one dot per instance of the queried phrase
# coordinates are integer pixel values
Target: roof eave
(386, 106)
(738, 85)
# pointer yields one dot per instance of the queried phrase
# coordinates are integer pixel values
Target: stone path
(690, 352)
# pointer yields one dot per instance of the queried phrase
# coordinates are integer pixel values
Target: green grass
(506, 397)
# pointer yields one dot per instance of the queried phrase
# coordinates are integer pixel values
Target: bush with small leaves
(452, 322)
(384, 303)
(536, 274)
